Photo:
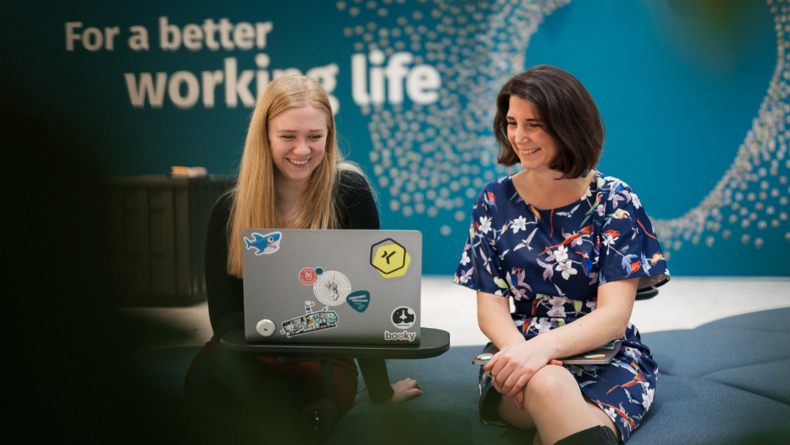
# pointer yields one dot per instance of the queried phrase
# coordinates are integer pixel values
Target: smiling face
(297, 138)
(534, 147)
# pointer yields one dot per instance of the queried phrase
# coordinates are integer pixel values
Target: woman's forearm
(589, 332)
(493, 317)
(374, 371)
(608, 322)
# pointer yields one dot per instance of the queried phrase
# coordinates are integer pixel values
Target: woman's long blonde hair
(255, 200)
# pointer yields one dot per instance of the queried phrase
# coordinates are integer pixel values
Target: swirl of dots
(433, 160)
(753, 193)
(476, 48)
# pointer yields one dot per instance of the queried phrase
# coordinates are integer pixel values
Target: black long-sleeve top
(357, 210)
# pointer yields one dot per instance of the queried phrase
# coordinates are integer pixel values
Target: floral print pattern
(551, 263)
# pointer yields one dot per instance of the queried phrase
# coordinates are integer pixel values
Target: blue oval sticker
(359, 300)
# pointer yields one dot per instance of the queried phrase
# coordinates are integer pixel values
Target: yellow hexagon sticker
(389, 258)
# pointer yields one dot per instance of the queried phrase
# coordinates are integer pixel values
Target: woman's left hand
(404, 390)
(515, 364)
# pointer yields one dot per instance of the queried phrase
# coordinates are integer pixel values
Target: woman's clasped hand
(513, 366)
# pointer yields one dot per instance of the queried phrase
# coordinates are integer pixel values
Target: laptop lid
(332, 286)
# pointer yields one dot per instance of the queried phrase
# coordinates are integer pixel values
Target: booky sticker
(264, 244)
(310, 321)
(403, 317)
(389, 258)
(359, 300)
(400, 336)
(331, 288)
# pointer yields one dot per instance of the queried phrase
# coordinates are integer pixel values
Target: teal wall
(692, 93)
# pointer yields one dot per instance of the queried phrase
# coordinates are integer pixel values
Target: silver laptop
(332, 286)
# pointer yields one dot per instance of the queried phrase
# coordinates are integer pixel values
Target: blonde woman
(292, 175)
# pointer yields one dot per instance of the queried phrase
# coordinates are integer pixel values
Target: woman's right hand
(513, 366)
(518, 359)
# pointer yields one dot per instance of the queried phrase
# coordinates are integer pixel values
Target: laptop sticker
(359, 300)
(389, 258)
(308, 276)
(400, 336)
(264, 244)
(403, 317)
(332, 288)
(310, 321)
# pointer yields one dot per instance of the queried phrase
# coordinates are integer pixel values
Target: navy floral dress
(551, 263)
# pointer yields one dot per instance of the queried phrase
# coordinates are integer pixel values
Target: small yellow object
(390, 259)
(500, 282)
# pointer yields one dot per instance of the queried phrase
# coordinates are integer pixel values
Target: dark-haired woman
(571, 246)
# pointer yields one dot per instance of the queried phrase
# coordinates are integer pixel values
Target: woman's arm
(225, 292)
(358, 205)
(518, 359)
(380, 390)
(493, 317)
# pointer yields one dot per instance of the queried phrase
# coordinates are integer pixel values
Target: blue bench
(725, 382)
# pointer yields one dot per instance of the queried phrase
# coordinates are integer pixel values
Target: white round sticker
(332, 288)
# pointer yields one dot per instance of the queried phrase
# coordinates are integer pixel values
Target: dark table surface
(433, 342)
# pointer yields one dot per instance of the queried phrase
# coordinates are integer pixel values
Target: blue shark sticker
(359, 300)
(264, 244)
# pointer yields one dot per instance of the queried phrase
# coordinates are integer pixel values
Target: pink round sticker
(308, 275)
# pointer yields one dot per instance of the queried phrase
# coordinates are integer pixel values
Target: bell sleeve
(480, 268)
(628, 244)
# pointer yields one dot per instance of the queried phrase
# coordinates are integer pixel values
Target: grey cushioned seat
(729, 378)
(725, 382)
(691, 410)
(772, 321)
(765, 379)
(701, 351)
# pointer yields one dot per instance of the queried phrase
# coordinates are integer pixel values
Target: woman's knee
(550, 383)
